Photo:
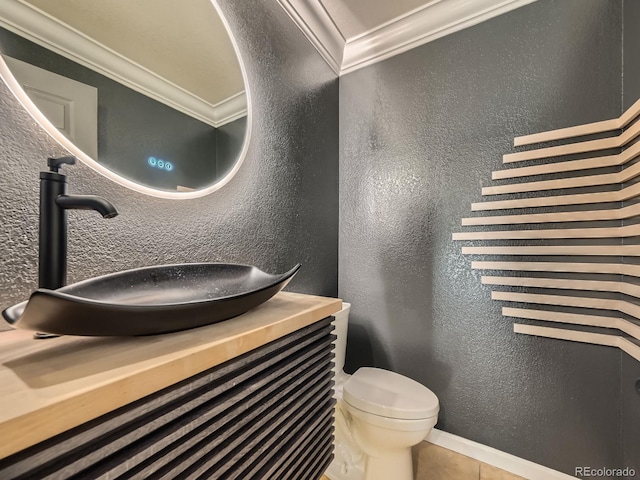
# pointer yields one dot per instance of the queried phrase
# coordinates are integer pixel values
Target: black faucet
(54, 203)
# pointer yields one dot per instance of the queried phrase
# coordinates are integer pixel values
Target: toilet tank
(340, 323)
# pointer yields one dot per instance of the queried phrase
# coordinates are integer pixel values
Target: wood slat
(580, 147)
(583, 337)
(575, 318)
(566, 284)
(629, 348)
(571, 166)
(626, 193)
(568, 250)
(311, 442)
(557, 217)
(569, 301)
(610, 232)
(568, 267)
(560, 183)
(587, 129)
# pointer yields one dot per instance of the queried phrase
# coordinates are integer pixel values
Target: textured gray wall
(420, 134)
(630, 368)
(631, 50)
(281, 207)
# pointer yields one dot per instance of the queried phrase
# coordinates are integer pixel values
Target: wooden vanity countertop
(50, 386)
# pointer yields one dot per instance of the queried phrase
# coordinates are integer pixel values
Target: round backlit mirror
(150, 93)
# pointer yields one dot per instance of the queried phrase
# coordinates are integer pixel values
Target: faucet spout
(87, 202)
(54, 203)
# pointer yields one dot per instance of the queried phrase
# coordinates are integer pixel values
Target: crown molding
(44, 30)
(425, 24)
(429, 22)
(316, 24)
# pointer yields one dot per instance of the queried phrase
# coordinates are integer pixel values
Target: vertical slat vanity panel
(265, 414)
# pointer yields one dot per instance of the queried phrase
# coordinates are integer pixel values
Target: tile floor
(432, 462)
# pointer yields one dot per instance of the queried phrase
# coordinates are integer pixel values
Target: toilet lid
(388, 394)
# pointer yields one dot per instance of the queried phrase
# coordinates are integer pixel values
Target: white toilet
(380, 415)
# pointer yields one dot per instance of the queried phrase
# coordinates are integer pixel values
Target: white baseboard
(504, 461)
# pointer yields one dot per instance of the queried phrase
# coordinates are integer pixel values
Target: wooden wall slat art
(563, 183)
(556, 297)
(581, 130)
(564, 267)
(617, 141)
(575, 318)
(565, 250)
(613, 232)
(574, 182)
(557, 217)
(566, 284)
(570, 166)
(626, 193)
(584, 337)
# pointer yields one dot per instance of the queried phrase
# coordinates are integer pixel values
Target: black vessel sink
(149, 300)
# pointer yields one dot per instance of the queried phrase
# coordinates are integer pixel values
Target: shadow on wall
(362, 347)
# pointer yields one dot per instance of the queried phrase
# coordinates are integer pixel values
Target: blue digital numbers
(160, 164)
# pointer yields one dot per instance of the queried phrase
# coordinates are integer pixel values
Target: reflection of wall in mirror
(133, 127)
(229, 142)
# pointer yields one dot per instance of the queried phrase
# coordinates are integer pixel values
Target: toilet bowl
(379, 416)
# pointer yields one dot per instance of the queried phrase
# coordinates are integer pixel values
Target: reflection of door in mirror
(71, 106)
(170, 115)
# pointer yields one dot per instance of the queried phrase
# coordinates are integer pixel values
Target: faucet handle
(54, 164)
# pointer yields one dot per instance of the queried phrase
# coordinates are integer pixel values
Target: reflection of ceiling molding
(231, 109)
(39, 27)
(433, 20)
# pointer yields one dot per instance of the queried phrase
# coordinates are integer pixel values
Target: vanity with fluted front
(191, 402)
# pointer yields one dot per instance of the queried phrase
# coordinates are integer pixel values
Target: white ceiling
(351, 34)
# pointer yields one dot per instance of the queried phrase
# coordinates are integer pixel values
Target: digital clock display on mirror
(160, 164)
